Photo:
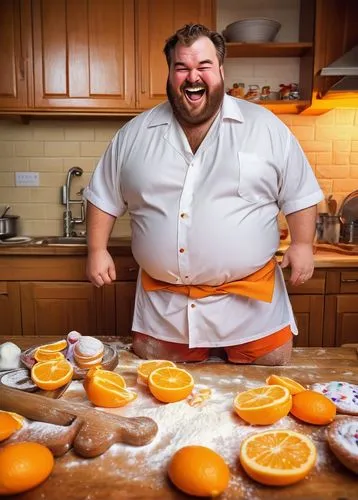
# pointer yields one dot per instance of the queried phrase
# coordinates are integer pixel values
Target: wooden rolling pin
(97, 430)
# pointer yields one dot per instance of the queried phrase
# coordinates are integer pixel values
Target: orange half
(293, 386)
(51, 375)
(8, 425)
(170, 384)
(277, 457)
(43, 355)
(263, 405)
(146, 368)
(54, 346)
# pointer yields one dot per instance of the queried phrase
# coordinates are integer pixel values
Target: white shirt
(205, 218)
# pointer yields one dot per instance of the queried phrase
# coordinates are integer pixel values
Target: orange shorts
(150, 348)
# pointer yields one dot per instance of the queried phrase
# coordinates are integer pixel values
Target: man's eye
(204, 68)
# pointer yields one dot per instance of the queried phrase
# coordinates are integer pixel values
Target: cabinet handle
(350, 281)
(142, 80)
(132, 269)
(22, 68)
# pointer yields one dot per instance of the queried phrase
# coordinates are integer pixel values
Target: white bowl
(252, 30)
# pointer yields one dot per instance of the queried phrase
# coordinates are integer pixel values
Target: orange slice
(43, 355)
(170, 384)
(16, 416)
(8, 425)
(107, 389)
(51, 375)
(146, 368)
(293, 386)
(54, 346)
(263, 405)
(277, 457)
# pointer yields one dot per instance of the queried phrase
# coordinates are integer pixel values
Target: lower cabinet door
(341, 319)
(56, 308)
(308, 311)
(10, 309)
(125, 296)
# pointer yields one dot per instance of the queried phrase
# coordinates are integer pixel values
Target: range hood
(347, 67)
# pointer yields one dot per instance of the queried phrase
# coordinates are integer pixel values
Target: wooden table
(127, 473)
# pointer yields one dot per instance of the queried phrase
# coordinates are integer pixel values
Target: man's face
(195, 84)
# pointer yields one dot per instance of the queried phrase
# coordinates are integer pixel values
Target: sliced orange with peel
(107, 389)
(43, 355)
(293, 386)
(263, 405)
(50, 375)
(16, 416)
(277, 457)
(146, 368)
(8, 425)
(170, 384)
(60, 345)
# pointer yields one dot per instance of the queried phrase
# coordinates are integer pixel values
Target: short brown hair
(188, 34)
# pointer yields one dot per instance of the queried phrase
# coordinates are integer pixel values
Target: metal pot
(8, 226)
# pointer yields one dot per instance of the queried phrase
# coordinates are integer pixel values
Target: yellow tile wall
(52, 147)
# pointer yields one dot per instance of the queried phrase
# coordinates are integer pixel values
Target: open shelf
(271, 49)
(285, 107)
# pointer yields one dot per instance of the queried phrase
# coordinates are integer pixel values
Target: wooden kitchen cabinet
(56, 308)
(10, 309)
(84, 54)
(125, 296)
(156, 20)
(341, 312)
(308, 304)
(15, 54)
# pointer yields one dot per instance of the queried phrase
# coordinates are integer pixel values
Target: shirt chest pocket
(258, 178)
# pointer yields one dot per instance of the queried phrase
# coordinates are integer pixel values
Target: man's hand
(100, 267)
(300, 257)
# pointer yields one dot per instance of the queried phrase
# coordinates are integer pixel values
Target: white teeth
(195, 89)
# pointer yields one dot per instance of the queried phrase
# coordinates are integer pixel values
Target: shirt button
(181, 250)
(192, 306)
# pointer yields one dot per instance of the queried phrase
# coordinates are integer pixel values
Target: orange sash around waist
(258, 285)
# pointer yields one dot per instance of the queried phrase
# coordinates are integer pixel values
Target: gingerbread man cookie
(342, 394)
(342, 437)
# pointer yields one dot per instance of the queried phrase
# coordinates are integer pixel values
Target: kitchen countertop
(140, 473)
(326, 256)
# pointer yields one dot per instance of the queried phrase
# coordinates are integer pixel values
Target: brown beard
(183, 115)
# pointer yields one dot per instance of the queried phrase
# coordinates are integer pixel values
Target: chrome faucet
(68, 220)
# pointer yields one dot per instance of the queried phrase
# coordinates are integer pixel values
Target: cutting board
(127, 472)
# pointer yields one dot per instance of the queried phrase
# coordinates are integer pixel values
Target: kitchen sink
(62, 240)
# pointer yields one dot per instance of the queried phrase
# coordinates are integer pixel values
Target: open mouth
(194, 93)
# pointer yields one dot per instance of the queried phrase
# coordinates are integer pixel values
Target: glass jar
(331, 229)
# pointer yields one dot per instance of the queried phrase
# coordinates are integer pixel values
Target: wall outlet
(28, 179)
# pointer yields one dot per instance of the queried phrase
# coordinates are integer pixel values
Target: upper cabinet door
(15, 53)
(84, 54)
(157, 20)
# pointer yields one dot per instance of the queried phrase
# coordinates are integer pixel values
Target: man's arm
(299, 255)
(100, 265)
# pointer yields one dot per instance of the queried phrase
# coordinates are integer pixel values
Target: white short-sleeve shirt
(208, 217)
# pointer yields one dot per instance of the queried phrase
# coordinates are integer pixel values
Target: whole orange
(313, 408)
(199, 471)
(23, 466)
